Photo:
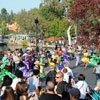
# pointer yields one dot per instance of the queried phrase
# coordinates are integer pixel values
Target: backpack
(68, 85)
(51, 77)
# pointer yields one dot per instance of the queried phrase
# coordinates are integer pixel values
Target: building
(62, 1)
(18, 38)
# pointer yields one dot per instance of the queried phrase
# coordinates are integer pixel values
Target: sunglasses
(57, 77)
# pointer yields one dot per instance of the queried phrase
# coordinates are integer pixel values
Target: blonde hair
(21, 88)
(37, 94)
(98, 84)
(97, 88)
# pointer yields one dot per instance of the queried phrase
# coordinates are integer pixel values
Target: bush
(49, 43)
(25, 42)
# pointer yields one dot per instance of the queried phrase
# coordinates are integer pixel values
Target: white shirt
(16, 59)
(14, 83)
(80, 48)
(98, 69)
(69, 72)
(2, 90)
(53, 54)
(83, 87)
(63, 49)
(66, 77)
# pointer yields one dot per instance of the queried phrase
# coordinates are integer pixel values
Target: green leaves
(26, 21)
(4, 29)
(58, 28)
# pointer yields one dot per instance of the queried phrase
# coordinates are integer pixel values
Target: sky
(17, 5)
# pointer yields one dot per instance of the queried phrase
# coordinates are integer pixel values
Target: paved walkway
(90, 76)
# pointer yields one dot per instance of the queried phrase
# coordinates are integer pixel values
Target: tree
(58, 28)
(26, 21)
(11, 17)
(4, 15)
(4, 29)
(3, 11)
(52, 8)
(87, 13)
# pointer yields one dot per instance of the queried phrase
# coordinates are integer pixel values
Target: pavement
(89, 75)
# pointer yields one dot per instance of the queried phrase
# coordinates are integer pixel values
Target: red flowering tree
(86, 13)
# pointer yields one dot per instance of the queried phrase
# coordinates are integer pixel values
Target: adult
(16, 59)
(51, 75)
(21, 92)
(97, 68)
(77, 57)
(50, 93)
(20, 52)
(66, 76)
(69, 70)
(97, 88)
(18, 78)
(34, 81)
(60, 88)
(74, 94)
(42, 64)
(8, 94)
(60, 51)
(82, 86)
(7, 81)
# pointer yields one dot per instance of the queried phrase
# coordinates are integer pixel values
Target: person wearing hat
(37, 65)
(74, 94)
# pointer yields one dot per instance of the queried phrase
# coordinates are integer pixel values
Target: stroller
(93, 95)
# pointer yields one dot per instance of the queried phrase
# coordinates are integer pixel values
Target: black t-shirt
(50, 97)
(61, 90)
(51, 77)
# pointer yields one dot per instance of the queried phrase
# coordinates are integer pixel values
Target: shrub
(25, 42)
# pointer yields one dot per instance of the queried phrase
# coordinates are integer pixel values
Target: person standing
(15, 59)
(82, 86)
(42, 65)
(8, 94)
(19, 75)
(97, 70)
(60, 87)
(77, 58)
(50, 93)
(34, 81)
(74, 94)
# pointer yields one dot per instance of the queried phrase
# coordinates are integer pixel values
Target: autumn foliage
(87, 14)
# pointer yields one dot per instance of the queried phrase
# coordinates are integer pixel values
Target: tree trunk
(75, 27)
(68, 34)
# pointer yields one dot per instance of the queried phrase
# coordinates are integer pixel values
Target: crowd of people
(46, 74)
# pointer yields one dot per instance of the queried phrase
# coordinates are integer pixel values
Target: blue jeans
(16, 66)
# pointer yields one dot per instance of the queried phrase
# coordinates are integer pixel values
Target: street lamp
(42, 37)
(36, 22)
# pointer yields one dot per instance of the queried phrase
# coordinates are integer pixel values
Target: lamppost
(42, 37)
(36, 22)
